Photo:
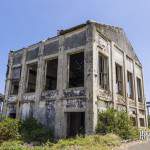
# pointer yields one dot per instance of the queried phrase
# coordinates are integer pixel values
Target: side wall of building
(109, 98)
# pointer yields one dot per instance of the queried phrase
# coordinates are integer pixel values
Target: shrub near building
(118, 122)
(9, 129)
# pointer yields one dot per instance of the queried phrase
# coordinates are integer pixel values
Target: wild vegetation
(112, 127)
(117, 122)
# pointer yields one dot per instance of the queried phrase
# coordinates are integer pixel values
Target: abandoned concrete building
(64, 81)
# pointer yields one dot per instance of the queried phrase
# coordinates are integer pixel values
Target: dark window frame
(119, 78)
(70, 82)
(46, 64)
(28, 84)
(103, 67)
(130, 92)
(15, 81)
(142, 122)
(139, 89)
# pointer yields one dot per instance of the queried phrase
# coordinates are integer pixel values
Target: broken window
(76, 70)
(139, 89)
(142, 122)
(119, 79)
(51, 74)
(103, 72)
(133, 119)
(16, 74)
(129, 85)
(31, 77)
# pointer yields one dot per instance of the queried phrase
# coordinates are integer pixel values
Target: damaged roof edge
(62, 32)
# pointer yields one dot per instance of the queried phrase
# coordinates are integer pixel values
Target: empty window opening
(16, 75)
(14, 87)
(142, 124)
(12, 111)
(76, 70)
(134, 122)
(51, 75)
(31, 77)
(103, 72)
(75, 123)
(139, 89)
(129, 85)
(119, 79)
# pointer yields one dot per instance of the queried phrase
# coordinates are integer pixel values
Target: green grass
(93, 142)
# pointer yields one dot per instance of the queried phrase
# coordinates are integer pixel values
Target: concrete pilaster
(39, 79)
(21, 83)
(135, 94)
(8, 82)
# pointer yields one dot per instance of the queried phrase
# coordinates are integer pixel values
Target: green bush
(118, 122)
(31, 130)
(9, 129)
(12, 145)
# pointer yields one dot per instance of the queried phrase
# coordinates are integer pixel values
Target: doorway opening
(75, 123)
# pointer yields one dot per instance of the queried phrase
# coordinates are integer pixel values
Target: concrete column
(125, 81)
(135, 94)
(144, 101)
(39, 80)
(21, 83)
(8, 82)
(113, 73)
(91, 111)
(60, 121)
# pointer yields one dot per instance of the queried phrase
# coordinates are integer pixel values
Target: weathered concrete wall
(51, 107)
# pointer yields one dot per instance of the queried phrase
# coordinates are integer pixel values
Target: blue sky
(25, 22)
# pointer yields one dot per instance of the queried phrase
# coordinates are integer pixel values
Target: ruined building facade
(64, 81)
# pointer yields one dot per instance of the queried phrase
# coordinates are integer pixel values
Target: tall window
(103, 72)
(139, 89)
(119, 79)
(51, 74)
(16, 74)
(31, 77)
(129, 85)
(76, 70)
(134, 121)
(142, 122)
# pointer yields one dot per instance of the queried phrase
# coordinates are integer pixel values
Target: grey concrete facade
(51, 106)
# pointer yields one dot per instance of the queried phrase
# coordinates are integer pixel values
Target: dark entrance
(75, 123)
(12, 115)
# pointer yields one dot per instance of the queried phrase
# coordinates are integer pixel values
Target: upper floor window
(16, 75)
(130, 85)
(119, 79)
(103, 72)
(76, 70)
(139, 89)
(51, 74)
(31, 77)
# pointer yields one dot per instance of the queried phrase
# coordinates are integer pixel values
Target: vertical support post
(8, 82)
(39, 80)
(22, 83)
(135, 94)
